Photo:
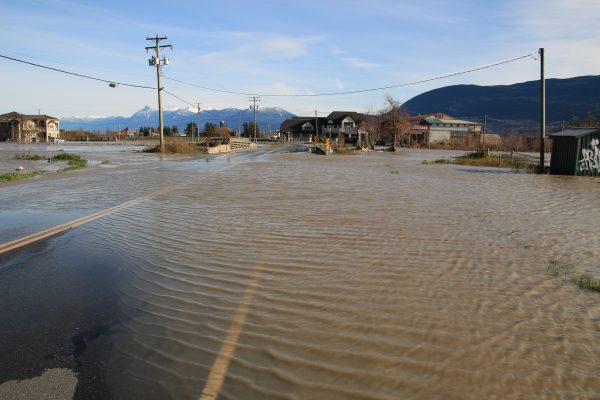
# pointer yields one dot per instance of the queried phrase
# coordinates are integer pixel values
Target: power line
(179, 98)
(360, 90)
(76, 74)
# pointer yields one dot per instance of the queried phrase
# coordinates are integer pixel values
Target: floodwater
(337, 277)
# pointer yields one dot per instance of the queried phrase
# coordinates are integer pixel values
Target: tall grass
(484, 159)
(28, 156)
(175, 146)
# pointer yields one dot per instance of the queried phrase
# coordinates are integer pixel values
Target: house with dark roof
(23, 128)
(338, 124)
(301, 128)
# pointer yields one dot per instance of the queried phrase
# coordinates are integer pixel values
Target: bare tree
(396, 121)
(372, 124)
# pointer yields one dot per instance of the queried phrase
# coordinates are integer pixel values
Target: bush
(586, 281)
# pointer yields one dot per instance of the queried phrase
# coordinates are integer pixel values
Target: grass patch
(75, 161)
(13, 176)
(567, 271)
(106, 162)
(483, 159)
(29, 156)
(438, 161)
(558, 268)
(176, 147)
(344, 150)
(64, 157)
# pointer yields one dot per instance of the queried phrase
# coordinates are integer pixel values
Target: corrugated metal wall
(564, 155)
(588, 155)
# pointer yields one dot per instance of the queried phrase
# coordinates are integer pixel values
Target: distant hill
(273, 116)
(513, 106)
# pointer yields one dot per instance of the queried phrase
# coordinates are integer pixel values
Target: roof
(434, 120)
(338, 116)
(575, 132)
(295, 123)
(18, 116)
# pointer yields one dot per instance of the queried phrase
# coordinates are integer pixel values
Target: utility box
(576, 152)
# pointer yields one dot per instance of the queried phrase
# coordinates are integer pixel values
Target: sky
(281, 47)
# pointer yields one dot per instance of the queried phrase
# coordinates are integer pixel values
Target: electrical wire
(179, 98)
(76, 74)
(356, 91)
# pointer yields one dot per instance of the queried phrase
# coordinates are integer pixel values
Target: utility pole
(239, 131)
(316, 127)
(484, 131)
(542, 111)
(198, 127)
(254, 99)
(155, 60)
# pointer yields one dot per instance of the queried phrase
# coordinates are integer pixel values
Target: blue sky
(281, 47)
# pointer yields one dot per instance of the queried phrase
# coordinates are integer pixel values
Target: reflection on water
(379, 278)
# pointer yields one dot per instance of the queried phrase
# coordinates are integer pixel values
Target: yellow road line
(213, 384)
(23, 241)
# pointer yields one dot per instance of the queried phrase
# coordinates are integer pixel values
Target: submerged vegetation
(485, 159)
(29, 156)
(13, 176)
(568, 271)
(75, 161)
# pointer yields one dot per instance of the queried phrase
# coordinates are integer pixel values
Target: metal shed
(576, 152)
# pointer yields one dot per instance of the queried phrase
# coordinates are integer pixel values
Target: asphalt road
(59, 307)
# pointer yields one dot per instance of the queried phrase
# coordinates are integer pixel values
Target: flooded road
(296, 276)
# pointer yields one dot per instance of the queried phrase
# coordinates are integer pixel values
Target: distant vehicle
(57, 140)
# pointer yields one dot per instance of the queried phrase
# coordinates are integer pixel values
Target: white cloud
(567, 29)
(360, 63)
(286, 46)
(338, 83)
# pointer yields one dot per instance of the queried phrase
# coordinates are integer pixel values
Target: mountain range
(509, 108)
(513, 107)
(265, 118)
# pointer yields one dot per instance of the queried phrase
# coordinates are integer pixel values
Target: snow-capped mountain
(265, 118)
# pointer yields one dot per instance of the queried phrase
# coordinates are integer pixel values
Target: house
(337, 125)
(301, 128)
(442, 128)
(575, 151)
(23, 128)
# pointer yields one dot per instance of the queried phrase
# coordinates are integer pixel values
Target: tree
(590, 121)
(223, 132)
(372, 124)
(209, 128)
(396, 121)
(249, 129)
(191, 129)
